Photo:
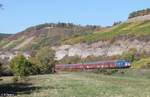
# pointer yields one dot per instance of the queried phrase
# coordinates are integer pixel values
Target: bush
(20, 66)
(130, 55)
(45, 60)
(106, 71)
(143, 63)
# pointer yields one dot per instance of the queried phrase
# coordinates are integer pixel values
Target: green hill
(138, 30)
(60, 34)
(52, 34)
(48, 35)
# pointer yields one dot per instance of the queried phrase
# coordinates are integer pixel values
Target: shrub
(106, 71)
(45, 60)
(130, 55)
(20, 66)
(142, 63)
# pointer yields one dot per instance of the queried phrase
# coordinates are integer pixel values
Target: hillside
(48, 34)
(68, 39)
(139, 30)
(53, 36)
(139, 13)
(2, 35)
(83, 41)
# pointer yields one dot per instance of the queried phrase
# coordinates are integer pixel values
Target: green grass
(136, 30)
(16, 42)
(12, 44)
(3, 42)
(142, 63)
(83, 84)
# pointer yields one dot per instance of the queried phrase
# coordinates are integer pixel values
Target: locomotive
(114, 64)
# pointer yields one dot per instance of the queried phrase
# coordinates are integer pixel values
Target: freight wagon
(93, 65)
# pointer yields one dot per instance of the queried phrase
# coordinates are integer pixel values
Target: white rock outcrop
(101, 48)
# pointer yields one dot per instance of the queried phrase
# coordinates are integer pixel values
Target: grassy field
(80, 84)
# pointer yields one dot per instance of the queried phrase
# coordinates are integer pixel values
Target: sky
(17, 15)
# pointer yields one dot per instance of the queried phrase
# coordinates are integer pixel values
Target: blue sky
(20, 14)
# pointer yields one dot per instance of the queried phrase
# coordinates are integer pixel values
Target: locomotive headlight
(127, 64)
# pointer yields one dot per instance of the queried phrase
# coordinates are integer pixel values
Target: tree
(117, 23)
(20, 66)
(45, 58)
(139, 13)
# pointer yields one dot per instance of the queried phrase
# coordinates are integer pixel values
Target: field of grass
(80, 84)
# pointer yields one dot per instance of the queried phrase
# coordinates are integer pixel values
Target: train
(113, 64)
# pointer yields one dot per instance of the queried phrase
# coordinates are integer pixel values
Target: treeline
(139, 13)
(42, 62)
(2, 35)
(60, 24)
